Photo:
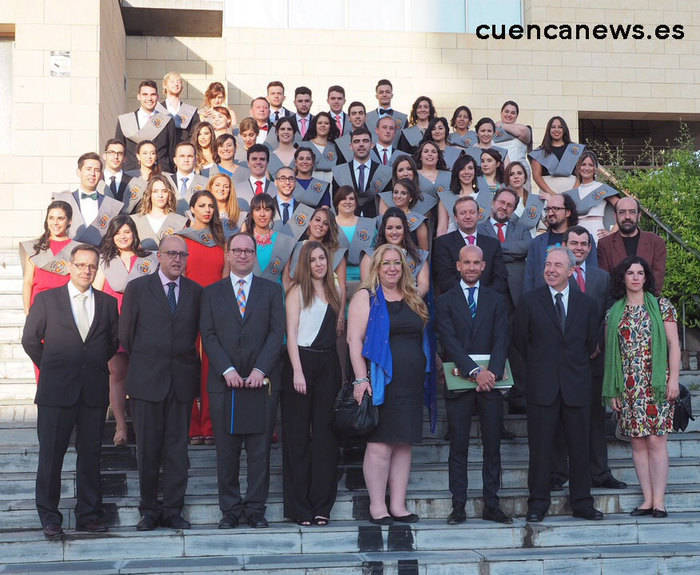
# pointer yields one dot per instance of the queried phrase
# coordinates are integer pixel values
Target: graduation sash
(275, 165)
(343, 146)
(203, 237)
(149, 237)
(362, 239)
(154, 126)
(483, 198)
(312, 195)
(118, 276)
(284, 245)
(555, 166)
(475, 152)
(532, 213)
(298, 222)
(133, 194)
(337, 257)
(413, 136)
(382, 176)
(230, 227)
(428, 188)
(415, 217)
(450, 154)
(45, 259)
(324, 160)
(93, 232)
(466, 141)
(599, 194)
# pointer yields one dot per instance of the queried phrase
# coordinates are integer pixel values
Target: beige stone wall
(54, 119)
(112, 90)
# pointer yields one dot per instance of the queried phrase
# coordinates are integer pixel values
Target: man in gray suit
(384, 92)
(595, 283)
(242, 327)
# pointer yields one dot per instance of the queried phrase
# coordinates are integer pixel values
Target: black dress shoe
(456, 517)
(410, 518)
(258, 522)
(659, 513)
(610, 483)
(91, 527)
(637, 512)
(52, 531)
(591, 513)
(496, 514)
(228, 522)
(386, 520)
(175, 522)
(534, 517)
(147, 523)
(557, 485)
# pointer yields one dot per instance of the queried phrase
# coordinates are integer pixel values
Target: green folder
(456, 382)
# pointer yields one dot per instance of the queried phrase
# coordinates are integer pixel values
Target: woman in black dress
(389, 309)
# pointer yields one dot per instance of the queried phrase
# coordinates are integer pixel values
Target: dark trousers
(543, 423)
(310, 449)
(54, 428)
(162, 429)
(489, 406)
(598, 445)
(228, 464)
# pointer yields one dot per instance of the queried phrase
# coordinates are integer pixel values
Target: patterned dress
(641, 416)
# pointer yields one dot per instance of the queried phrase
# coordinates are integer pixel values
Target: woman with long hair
(310, 450)
(147, 158)
(485, 132)
(642, 367)
(215, 95)
(514, 137)
(203, 141)
(309, 189)
(224, 156)
(465, 180)
(461, 121)
(121, 261)
(405, 196)
(205, 264)
(492, 168)
(422, 112)
(283, 155)
(322, 134)
(222, 188)
(433, 175)
(554, 162)
(530, 206)
(248, 131)
(437, 132)
(389, 308)
(157, 217)
(220, 119)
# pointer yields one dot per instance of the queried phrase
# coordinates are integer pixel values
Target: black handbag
(683, 411)
(351, 419)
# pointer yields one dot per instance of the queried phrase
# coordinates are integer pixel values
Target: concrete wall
(112, 85)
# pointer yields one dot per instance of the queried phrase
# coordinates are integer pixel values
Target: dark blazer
(446, 253)
(460, 335)
(184, 134)
(611, 251)
(70, 369)
(347, 126)
(165, 146)
(161, 345)
(556, 362)
(126, 178)
(253, 341)
(293, 119)
(514, 250)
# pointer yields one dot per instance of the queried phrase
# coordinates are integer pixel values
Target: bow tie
(92, 196)
(387, 112)
(265, 128)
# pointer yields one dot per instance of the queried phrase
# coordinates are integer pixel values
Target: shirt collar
(235, 278)
(165, 280)
(74, 291)
(564, 292)
(465, 287)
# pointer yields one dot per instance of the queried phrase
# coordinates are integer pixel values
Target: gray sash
(45, 259)
(133, 195)
(442, 183)
(284, 244)
(532, 213)
(324, 160)
(203, 237)
(312, 195)
(196, 183)
(483, 197)
(94, 232)
(230, 227)
(420, 209)
(381, 177)
(583, 206)
(155, 125)
(337, 258)
(184, 114)
(502, 135)
(149, 237)
(118, 277)
(275, 164)
(413, 136)
(343, 146)
(556, 167)
(475, 152)
(465, 141)
(297, 223)
(362, 239)
(451, 154)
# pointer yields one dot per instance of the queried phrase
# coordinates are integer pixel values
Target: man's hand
(485, 380)
(255, 379)
(233, 379)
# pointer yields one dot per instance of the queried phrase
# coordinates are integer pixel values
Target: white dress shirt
(90, 302)
(356, 167)
(142, 117)
(564, 297)
(117, 177)
(165, 280)
(88, 207)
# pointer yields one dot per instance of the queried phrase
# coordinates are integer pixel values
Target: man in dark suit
(242, 326)
(275, 97)
(158, 327)
(384, 150)
(113, 176)
(336, 101)
(147, 123)
(446, 250)
(595, 283)
(302, 118)
(356, 119)
(368, 177)
(556, 331)
(629, 240)
(473, 319)
(71, 333)
(384, 91)
(255, 181)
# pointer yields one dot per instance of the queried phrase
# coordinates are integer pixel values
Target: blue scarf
(376, 347)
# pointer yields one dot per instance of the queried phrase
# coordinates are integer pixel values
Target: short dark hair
(577, 230)
(276, 83)
(89, 156)
(357, 104)
(247, 234)
(259, 98)
(509, 190)
(360, 131)
(258, 148)
(184, 143)
(84, 248)
(113, 141)
(302, 90)
(383, 82)
(148, 84)
(461, 200)
(570, 204)
(618, 276)
(336, 88)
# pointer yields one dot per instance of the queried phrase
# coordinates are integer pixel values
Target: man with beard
(629, 240)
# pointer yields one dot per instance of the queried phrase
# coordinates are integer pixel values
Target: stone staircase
(560, 544)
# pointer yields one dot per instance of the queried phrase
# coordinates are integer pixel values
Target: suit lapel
(572, 309)
(64, 302)
(158, 293)
(229, 305)
(253, 301)
(99, 302)
(548, 305)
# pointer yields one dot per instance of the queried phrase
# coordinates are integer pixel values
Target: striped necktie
(240, 297)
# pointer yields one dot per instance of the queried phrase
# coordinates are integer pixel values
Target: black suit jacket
(161, 345)
(556, 362)
(446, 253)
(71, 369)
(126, 178)
(253, 341)
(184, 134)
(165, 146)
(460, 335)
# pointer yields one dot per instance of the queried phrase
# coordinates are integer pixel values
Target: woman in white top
(514, 137)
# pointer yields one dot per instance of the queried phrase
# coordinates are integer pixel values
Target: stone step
(11, 300)
(19, 368)
(12, 350)
(12, 317)
(11, 284)
(619, 534)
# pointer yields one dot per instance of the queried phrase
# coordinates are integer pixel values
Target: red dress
(205, 265)
(118, 295)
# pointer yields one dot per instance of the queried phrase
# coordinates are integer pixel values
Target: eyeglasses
(172, 254)
(554, 209)
(86, 267)
(242, 251)
(114, 153)
(287, 179)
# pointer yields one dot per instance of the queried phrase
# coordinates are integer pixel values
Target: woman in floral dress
(642, 365)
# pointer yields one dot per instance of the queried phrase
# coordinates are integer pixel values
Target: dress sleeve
(668, 312)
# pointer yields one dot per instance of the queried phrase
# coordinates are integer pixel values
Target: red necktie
(472, 240)
(339, 123)
(265, 128)
(258, 188)
(385, 160)
(501, 235)
(579, 279)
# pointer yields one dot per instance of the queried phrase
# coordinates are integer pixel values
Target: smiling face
(462, 121)
(147, 156)
(285, 133)
(587, 170)
(467, 216)
(262, 218)
(204, 137)
(557, 270)
(556, 213)
(580, 245)
(556, 130)
(241, 255)
(219, 121)
(394, 231)
(304, 164)
(221, 188)
(423, 111)
(148, 98)
(509, 114)
(346, 206)
(89, 174)
(323, 126)
(429, 156)
(319, 226)
(485, 133)
(226, 150)
(438, 133)
(57, 222)
(124, 238)
(257, 162)
(404, 170)
(203, 210)
(83, 268)
(400, 196)
(466, 174)
(517, 177)
(174, 85)
(390, 268)
(318, 264)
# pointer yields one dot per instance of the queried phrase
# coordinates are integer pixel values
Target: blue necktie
(361, 181)
(171, 296)
(471, 302)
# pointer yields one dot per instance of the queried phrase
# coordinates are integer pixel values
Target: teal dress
(352, 273)
(265, 252)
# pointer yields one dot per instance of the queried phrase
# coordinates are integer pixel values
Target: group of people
(378, 248)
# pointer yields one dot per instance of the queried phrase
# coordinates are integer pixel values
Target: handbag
(351, 419)
(683, 411)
